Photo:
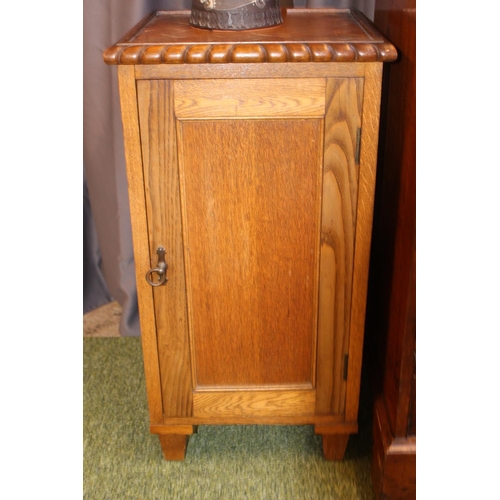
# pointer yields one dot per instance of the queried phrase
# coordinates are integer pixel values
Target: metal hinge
(358, 146)
(346, 365)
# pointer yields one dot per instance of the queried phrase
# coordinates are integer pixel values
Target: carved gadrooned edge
(250, 53)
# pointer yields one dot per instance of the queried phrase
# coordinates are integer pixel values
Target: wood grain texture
(173, 446)
(161, 185)
(133, 157)
(251, 233)
(173, 429)
(310, 419)
(364, 219)
(391, 312)
(338, 227)
(243, 70)
(307, 35)
(393, 465)
(396, 217)
(334, 446)
(254, 403)
(343, 428)
(230, 98)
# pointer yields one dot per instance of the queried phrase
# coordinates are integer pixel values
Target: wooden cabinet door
(251, 188)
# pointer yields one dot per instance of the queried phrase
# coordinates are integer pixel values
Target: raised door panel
(251, 186)
(251, 233)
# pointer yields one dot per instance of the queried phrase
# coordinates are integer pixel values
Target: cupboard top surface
(306, 35)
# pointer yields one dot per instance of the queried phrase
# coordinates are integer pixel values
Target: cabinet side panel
(159, 147)
(338, 223)
(252, 202)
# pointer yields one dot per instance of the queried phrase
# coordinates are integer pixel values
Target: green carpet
(123, 461)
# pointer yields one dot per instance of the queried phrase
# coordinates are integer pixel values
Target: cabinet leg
(334, 446)
(173, 446)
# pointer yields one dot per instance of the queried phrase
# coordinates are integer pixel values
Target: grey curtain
(108, 266)
(108, 263)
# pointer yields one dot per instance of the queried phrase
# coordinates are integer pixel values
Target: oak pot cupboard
(251, 162)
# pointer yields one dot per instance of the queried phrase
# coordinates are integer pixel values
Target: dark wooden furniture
(390, 336)
(251, 161)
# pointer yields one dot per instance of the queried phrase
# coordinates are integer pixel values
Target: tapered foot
(173, 446)
(334, 446)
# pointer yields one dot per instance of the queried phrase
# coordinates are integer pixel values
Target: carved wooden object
(251, 159)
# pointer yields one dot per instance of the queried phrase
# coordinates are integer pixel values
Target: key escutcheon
(160, 270)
